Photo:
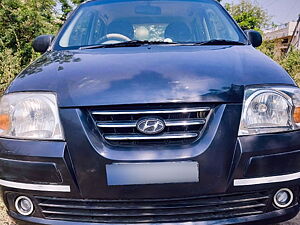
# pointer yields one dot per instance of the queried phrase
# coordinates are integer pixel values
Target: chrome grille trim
(36, 187)
(183, 124)
(136, 137)
(117, 124)
(168, 123)
(174, 123)
(150, 111)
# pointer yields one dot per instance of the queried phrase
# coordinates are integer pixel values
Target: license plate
(152, 173)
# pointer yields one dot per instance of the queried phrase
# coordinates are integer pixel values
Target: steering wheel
(112, 38)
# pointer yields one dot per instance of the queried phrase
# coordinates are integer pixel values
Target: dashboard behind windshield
(109, 22)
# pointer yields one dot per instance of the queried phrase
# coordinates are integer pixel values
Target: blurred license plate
(152, 173)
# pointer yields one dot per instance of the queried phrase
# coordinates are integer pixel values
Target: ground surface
(5, 220)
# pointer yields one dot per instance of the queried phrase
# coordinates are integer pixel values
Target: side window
(200, 27)
(97, 31)
(80, 33)
(218, 26)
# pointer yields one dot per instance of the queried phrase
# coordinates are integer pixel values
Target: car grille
(183, 125)
(154, 210)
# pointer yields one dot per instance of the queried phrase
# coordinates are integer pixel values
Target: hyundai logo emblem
(150, 125)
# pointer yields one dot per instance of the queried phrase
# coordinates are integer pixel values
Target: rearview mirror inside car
(148, 10)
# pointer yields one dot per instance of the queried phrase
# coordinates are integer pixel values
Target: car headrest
(178, 32)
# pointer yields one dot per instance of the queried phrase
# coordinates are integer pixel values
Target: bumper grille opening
(154, 210)
(183, 124)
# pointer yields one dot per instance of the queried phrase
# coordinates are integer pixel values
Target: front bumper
(76, 169)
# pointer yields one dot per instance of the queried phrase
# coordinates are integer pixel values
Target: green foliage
(248, 15)
(20, 22)
(76, 2)
(67, 5)
(268, 47)
(291, 62)
(66, 8)
(10, 65)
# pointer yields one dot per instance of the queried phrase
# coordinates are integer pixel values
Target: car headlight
(32, 115)
(270, 110)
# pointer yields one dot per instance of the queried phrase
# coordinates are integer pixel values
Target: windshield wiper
(219, 42)
(137, 43)
(133, 43)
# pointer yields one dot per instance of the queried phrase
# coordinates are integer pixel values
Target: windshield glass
(110, 22)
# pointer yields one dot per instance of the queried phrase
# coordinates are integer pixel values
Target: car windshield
(166, 21)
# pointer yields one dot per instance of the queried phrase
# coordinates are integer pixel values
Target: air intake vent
(175, 125)
(154, 210)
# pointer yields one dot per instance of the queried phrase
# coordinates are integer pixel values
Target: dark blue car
(157, 112)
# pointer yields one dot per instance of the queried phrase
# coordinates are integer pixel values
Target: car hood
(149, 74)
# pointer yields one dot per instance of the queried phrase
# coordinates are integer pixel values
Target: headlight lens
(270, 110)
(30, 116)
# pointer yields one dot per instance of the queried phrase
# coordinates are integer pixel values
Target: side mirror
(42, 43)
(254, 37)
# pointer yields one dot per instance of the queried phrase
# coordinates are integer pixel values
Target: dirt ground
(295, 221)
(5, 220)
